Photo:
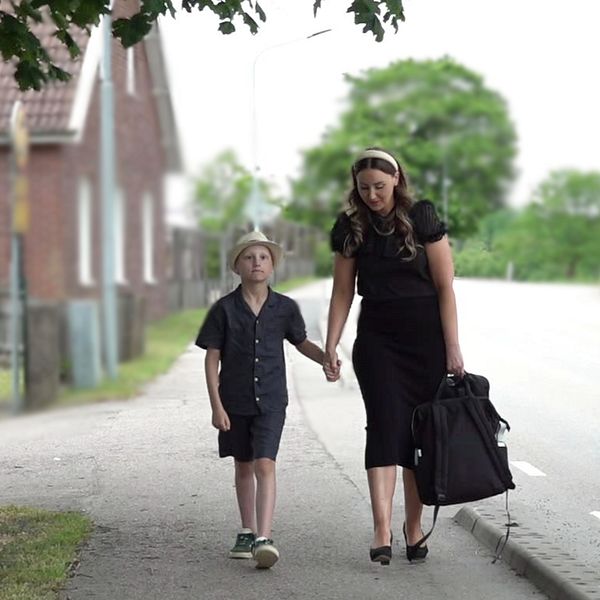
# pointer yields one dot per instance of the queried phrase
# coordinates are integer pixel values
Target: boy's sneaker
(265, 553)
(243, 544)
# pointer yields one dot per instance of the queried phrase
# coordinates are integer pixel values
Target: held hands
(331, 366)
(220, 420)
(454, 360)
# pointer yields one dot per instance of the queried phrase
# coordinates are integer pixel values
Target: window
(85, 233)
(148, 238)
(130, 83)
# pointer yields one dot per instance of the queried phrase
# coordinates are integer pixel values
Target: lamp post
(19, 136)
(445, 185)
(256, 203)
(445, 180)
(107, 178)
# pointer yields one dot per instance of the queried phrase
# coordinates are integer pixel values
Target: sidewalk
(147, 472)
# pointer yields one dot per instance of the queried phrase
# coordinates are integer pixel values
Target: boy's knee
(244, 468)
(264, 467)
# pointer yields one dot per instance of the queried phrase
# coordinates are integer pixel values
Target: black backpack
(460, 453)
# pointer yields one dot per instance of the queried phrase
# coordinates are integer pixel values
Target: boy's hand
(332, 366)
(220, 420)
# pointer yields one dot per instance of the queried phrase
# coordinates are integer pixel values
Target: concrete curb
(556, 575)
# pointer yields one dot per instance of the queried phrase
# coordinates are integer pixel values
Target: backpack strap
(440, 483)
(436, 510)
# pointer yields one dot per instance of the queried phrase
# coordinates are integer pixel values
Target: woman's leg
(264, 469)
(413, 507)
(245, 490)
(382, 483)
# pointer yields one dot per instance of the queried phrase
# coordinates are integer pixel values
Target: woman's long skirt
(399, 358)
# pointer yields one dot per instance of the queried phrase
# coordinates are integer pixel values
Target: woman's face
(376, 189)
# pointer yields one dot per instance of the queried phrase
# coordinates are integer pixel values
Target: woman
(397, 252)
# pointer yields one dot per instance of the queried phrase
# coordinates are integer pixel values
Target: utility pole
(20, 222)
(107, 175)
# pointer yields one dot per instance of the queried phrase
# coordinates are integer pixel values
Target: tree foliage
(34, 67)
(223, 193)
(555, 237)
(439, 119)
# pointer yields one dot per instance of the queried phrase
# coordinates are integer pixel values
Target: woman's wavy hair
(360, 214)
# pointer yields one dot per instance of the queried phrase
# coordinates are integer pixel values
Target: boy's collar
(271, 296)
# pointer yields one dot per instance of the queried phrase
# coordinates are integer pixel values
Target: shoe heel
(416, 551)
(382, 555)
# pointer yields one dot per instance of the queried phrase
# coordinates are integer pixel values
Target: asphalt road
(539, 345)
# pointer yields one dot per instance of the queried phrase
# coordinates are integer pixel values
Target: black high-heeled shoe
(417, 551)
(382, 554)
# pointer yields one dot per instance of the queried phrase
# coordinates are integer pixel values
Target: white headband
(378, 154)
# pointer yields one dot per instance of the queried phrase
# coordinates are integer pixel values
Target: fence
(198, 273)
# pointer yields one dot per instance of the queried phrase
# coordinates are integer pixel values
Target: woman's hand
(454, 360)
(220, 420)
(331, 365)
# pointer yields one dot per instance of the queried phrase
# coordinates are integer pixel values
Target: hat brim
(275, 249)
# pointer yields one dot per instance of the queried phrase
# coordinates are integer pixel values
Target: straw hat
(254, 238)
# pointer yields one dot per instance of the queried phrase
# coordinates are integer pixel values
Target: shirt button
(256, 359)
(256, 341)
(257, 399)
(256, 379)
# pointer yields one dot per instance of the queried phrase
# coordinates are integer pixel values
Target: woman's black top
(383, 273)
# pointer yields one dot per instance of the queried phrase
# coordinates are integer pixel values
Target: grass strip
(38, 551)
(165, 341)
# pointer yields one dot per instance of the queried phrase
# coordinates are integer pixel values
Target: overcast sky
(541, 55)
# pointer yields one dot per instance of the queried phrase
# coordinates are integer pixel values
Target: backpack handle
(452, 381)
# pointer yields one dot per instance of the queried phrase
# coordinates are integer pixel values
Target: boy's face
(254, 264)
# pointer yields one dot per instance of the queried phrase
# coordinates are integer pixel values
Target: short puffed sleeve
(339, 232)
(427, 225)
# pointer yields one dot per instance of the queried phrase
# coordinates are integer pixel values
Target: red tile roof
(48, 111)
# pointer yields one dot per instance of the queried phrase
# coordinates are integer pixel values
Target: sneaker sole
(240, 554)
(266, 557)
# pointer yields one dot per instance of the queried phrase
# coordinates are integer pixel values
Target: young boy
(244, 332)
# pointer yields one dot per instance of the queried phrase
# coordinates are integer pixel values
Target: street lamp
(256, 201)
(107, 185)
(445, 140)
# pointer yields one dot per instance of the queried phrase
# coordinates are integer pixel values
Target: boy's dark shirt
(252, 376)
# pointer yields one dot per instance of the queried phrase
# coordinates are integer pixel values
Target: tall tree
(559, 233)
(453, 135)
(35, 67)
(222, 189)
(223, 194)
(555, 237)
(567, 191)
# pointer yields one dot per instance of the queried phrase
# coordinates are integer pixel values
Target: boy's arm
(220, 419)
(312, 351)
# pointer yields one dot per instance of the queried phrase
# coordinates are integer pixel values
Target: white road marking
(595, 513)
(527, 468)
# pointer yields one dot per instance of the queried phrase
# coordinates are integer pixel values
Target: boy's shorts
(252, 436)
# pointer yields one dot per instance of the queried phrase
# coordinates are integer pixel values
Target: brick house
(62, 247)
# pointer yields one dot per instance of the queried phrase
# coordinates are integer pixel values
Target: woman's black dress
(399, 354)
